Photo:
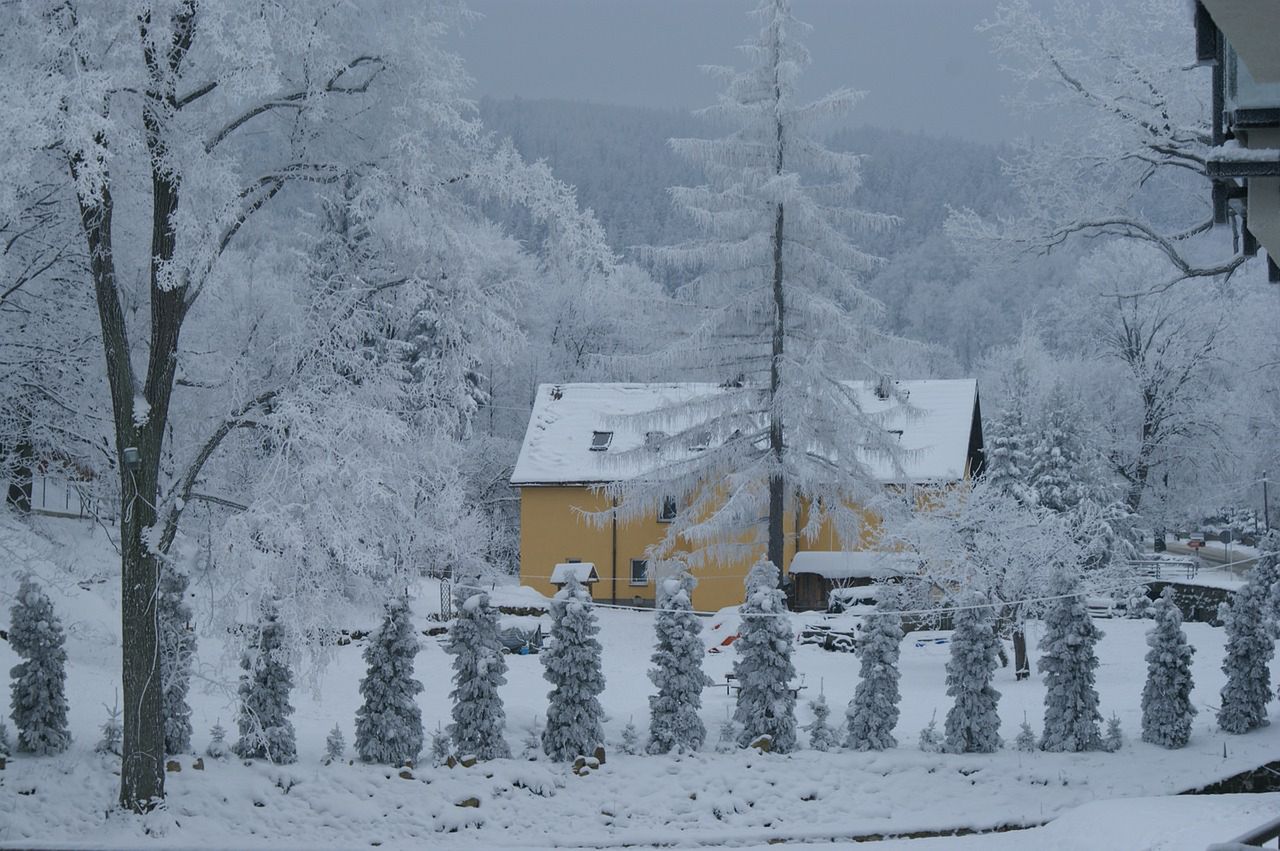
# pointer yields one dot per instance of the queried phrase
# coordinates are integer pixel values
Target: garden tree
(822, 737)
(1248, 661)
(1068, 662)
(389, 722)
(177, 651)
(1007, 459)
(190, 136)
(1133, 164)
(973, 723)
(1166, 346)
(674, 722)
(1059, 464)
(1167, 710)
(479, 670)
(989, 541)
(766, 706)
(335, 745)
(779, 322)
(263, 719)
(572, 665)
(38, 687)
(217, 748)
(873, 712)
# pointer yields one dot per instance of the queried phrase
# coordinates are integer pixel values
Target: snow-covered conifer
(531, 746)
(1247, 663)
(930, 741)
(217, 748)
(265, 683)
(1114, 739)
(177, 650)
(1058, 458)
(572, 665)
(479, 670)
(973, 723)
(1068, 661)
(873, 711)
(677, 673)
(822, 736)
(630, 743)
(766, 705)
(6, 746)
(441, 746)
(39, 684)
(1167, 710)
(112, 731)
(727, 739)
(1008, 463)
(389, 722)
(1026, 739)
(335, 745)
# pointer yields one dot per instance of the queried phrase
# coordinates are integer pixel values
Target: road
(1216, 554)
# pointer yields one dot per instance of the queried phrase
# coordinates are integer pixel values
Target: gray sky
(920, 61)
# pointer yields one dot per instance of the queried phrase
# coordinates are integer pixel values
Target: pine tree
(674, 723)
(531, 747)
(782, 321)
(265, 729)
(38, 691)
(822, 737)
(973, 723)
(930, 741)
(441, 746)
(6, 746)
(1058, 456)
(112, 731)
(334, 746)
(1008, 461)
(479, 669)
(630, 739)
(389, 722)
(727, 740)
(873, 711)
(1026, 740)
(1247, 664)
(572, 666)
(766, 705)
(217, 743)
(1068, 661)
(1167, 710)
(1114, 739)
(177, 650)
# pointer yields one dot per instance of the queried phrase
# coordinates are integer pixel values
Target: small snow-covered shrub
(930, 741)
(389, 722)
(766, 705)
(1167, 711)
(217, 748)
(630, 739)
(334, 746)
(112, 731)
(1114, 739)
(479, 669)
(39, 684)
(6, 746)
(177, 650)
(441, 746)
(265, 684)
(728, 738)
(1026, 739)
(572, 666)
(821, 735)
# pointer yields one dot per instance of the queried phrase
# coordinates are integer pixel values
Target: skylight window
(600, 440)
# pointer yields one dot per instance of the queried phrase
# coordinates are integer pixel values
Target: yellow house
(564, 464)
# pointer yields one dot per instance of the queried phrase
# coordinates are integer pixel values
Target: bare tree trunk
(1021, 665)
(23, 463)
(777, 484)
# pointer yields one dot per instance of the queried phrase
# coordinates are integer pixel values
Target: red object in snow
(729, 639)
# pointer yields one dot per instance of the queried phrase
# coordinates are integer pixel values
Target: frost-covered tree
(217, 748)
(779, 321)
(177, 649)
(6, 746)
(766, 705)
(973, 723)
(572, 665)
(1007, 460)
(1068, 662)
(389, 722)
(38, 689)
(873, 712)
(630, 743)
(112, 732)
(1167, 710)
(1026, 739)
(674, 723)
(1058, 455)
(822, 736)
(187, 180)
(441, 746)
(479, 670)
(1114, 739)
(265, 683)
(1248, 661)
(335, 745)
(930, 741)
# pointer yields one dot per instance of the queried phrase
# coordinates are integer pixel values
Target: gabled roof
(557, 444)
(584, 570)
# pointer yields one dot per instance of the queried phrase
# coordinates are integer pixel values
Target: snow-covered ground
(740, 798)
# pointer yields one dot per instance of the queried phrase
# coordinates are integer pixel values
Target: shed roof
(854, 564)
(935, 424)
(584, 570)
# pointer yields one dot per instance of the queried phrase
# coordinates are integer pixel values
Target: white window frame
(596, 445)
(631, 577)
(663, 517)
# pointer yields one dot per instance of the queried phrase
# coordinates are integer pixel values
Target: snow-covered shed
(816, 573)
(585, 572)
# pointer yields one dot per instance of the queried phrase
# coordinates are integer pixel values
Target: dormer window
(653, 440)
(669, 510)
(600, 440)
(699, 440)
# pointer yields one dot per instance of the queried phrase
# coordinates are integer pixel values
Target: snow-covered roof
(856, 564)
(584, 570)
(558, 443)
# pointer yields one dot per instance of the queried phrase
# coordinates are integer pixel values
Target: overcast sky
(920, 61)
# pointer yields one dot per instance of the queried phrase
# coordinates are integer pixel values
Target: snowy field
(740, 798)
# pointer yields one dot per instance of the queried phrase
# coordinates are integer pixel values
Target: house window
(699, 440)
(639, 571)
(668, 511)
(653, 440)
(600, 440)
